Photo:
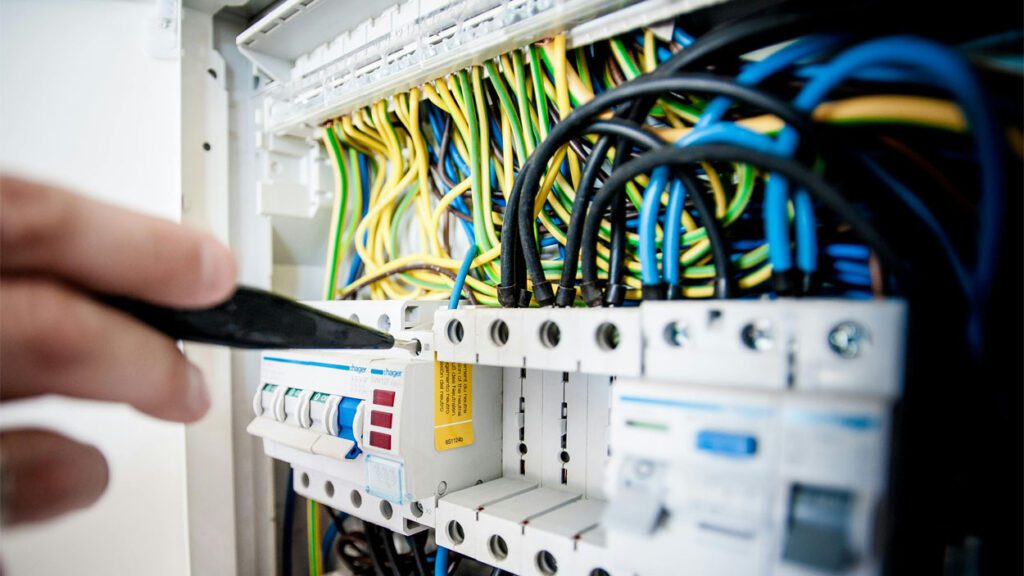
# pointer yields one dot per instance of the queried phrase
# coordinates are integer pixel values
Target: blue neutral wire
(852, 251)
(851, 267)
(955, 75)
(760, 71)
(854, 279)
(681, 37)
(777, 232)
(458, 203)
(950, 71)
(460, 163)
(328, 541)
(460, 279)
(673, 232)
(724, 132)
(441, 562)
(888, 74)
(364, 180)
(453, 153)
(777, 223)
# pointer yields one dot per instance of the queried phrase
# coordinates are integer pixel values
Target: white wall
(83, 104)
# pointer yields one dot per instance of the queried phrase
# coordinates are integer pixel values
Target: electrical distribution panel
(574, 467)
(668, 427)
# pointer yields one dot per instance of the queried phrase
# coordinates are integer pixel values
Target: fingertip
(46, 474)
(197, 395)
(217, 271)
(94, 473)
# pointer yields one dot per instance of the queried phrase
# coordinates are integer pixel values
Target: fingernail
(197, 398)
(218, 270)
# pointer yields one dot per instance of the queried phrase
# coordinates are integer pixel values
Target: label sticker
(453, 405)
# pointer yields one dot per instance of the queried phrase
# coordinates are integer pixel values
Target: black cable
(454, 561)
(644, 86)
(732, 40)
(417, 542)
(338, 522)
(723, 287)
(360, 562)
(510, 270)
(372, 546)
(683, 158)
(566, 294)
(566, 284)
(515, 290)
(389, 550)
(336, 518)
(609, 192)
(617, 249)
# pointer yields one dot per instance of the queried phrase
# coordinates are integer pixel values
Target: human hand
(57, 251)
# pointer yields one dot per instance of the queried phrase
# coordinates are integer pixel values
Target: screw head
(165, 23)
(643, 469)
(758, 335)
(847, 339)
(677, 334)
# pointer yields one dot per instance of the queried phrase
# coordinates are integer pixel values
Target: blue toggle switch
(346, 418)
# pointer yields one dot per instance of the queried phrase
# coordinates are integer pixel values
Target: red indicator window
(380, 440)
(382, 419)
(383, 397)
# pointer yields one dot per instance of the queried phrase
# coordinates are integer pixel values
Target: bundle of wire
(474, 186)
(671, 168)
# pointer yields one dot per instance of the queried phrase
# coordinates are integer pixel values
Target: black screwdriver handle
(254, 318)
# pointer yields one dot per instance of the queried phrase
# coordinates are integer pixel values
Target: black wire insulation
(682, 158)
(730, 41)
(608, 193)
(390, 552)
(374, 549)
(575, 122)
(510, 257)
(566, 294)
(417, 542)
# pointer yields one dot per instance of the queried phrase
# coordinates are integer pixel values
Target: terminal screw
(758, 335)
(643, 469)
(676, 334)
(847, 339)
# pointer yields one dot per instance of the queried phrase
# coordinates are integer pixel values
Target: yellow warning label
(453, 405)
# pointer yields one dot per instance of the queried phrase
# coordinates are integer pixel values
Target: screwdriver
(258, 319)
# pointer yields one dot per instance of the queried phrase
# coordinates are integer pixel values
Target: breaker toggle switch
(637, 504)
(818, 528)
(349, 415)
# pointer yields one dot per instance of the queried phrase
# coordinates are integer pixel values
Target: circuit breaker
(361, 429)
(570, 471)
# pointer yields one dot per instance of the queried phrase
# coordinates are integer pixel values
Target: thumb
(44, 474)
